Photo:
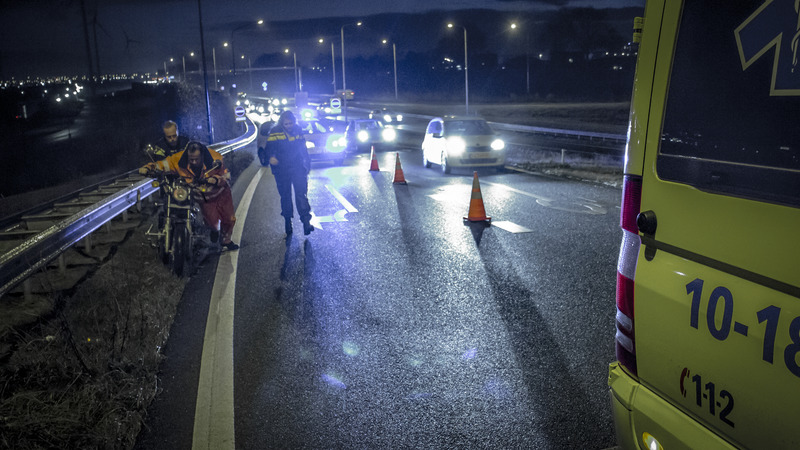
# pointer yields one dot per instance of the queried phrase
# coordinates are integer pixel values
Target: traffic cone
(476, 212)
(398, 172)
(374, 164)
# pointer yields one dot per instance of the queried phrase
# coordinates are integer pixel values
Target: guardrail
(36, 252)
(531, 129)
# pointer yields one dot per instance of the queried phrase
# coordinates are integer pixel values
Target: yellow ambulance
(708, 283)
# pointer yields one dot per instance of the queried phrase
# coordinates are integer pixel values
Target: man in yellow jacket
(203, 166)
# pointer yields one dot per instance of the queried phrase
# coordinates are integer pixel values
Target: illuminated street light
(296, 86)
(333, 64)
(233, 53)
(394, 57)
(527, 60)
(344, 79)
(466, 76)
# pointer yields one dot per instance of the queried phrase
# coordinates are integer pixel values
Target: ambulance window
(728, 129)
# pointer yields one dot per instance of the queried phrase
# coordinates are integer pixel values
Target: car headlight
(309, 144)
(327, 109)
(363, 136)
(387, 118)
(180, 193)
(498, 144)
(336, 143)
(456, 146)
(388, 134)
(399, 117)
(283, 101)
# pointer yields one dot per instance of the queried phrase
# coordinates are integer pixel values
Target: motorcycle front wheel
(181, 251)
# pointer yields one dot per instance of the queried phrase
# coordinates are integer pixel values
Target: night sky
(46, 37)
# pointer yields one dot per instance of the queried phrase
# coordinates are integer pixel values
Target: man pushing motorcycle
(203, 167)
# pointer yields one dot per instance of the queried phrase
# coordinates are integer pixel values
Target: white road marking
(213, 414)
(511, 227)
(347, 205)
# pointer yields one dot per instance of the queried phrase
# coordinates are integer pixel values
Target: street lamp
(466, 76)
(233, 53)
(333, 65)
(394, 57)
(344, 79)
(527, 60)
(294, 54)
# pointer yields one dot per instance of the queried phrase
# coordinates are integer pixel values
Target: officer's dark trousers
(285, 179)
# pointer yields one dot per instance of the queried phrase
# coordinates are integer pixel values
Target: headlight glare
(498, 144)
(363, 136)
(387, 118)
(388, 134)
(309, 144)
(456, 145)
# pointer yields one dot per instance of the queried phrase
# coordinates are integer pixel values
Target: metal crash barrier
(40, 249)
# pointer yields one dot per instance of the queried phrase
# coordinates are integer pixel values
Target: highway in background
(396, 325)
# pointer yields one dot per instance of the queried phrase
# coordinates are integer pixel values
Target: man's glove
(144, 171)
(211, 180)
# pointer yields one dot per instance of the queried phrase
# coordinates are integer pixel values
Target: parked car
(361, 134)
(322, 142)
(388, 117)
(453, 141)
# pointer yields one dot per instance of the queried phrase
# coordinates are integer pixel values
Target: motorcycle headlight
(309, 144)
(388, 134)
(498, 144)
(363, 136)
(180, 193)
(456, 145)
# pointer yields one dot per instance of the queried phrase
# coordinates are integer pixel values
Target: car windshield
(368, 125)
(466, 127)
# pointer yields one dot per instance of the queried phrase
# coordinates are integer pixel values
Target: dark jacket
(163, 149)
(289, 148)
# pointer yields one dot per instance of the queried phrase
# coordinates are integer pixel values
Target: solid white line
(213, 415)
(347, 205)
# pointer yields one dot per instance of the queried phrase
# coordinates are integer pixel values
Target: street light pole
(466, 68)
(333, 69)
(527, 59)
(344, 79)
(296, 85)
(394, 56)
(214, 57)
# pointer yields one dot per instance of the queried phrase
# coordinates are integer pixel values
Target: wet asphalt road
(401, 327)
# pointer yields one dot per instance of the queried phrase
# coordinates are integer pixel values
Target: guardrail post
(87, 242)
(62, 264)
(563, 150)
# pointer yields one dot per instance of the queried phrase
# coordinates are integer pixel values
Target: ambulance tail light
(625, 339)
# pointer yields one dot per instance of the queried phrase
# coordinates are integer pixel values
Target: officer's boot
(288, 225)
(307, 227)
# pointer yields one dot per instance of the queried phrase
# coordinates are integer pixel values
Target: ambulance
(708, 278)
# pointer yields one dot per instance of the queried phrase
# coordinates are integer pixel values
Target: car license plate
(480, 155)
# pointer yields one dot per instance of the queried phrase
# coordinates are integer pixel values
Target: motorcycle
(180, 221)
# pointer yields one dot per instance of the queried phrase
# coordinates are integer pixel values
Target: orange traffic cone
(398, 172)
(374, 164)
(476, 212)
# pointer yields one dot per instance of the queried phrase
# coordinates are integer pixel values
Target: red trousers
(218, 214)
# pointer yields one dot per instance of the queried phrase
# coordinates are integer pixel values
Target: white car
(453, 141)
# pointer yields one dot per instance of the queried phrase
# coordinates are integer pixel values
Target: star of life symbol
(772, 25)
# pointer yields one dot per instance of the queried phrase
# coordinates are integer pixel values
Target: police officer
(290, 163)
